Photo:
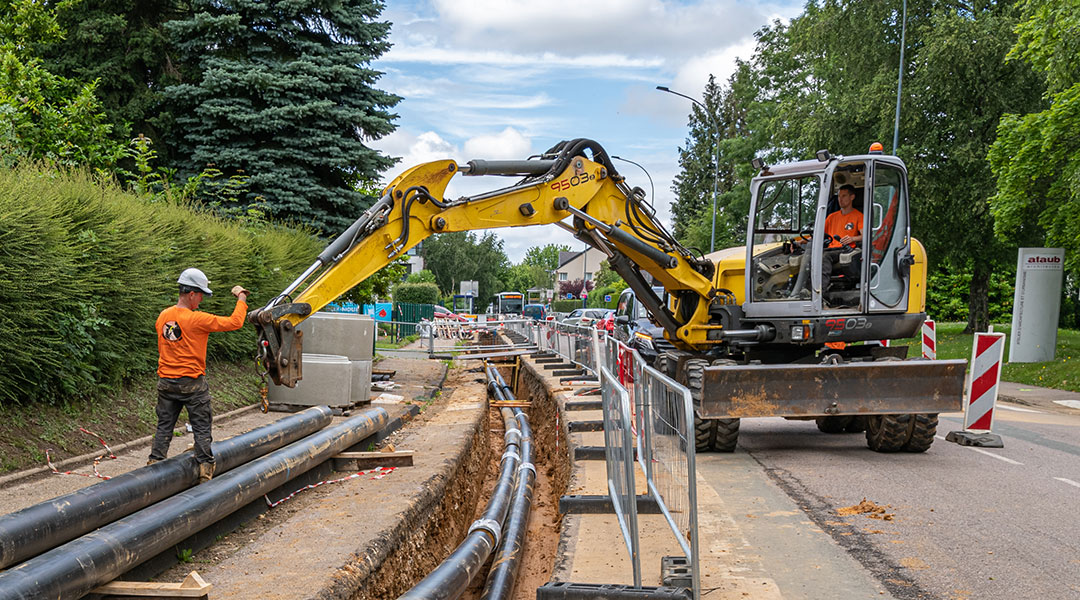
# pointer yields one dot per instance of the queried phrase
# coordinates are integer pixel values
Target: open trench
(433, 526)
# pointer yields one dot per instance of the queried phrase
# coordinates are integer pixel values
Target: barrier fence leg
(986, 356)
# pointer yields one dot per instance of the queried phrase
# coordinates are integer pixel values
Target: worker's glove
(237, 290)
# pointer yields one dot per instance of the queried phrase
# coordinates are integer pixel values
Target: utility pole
(716, 175)
(899, 80)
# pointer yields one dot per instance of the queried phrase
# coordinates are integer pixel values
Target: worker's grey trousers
(173, 395)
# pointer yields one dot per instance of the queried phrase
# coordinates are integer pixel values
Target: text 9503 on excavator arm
(575, 181)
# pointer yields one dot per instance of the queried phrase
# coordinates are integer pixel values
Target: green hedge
(85, 268)
(565, 305)
(416, 293)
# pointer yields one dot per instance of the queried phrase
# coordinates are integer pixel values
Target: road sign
(607, 297)
(929, 339)
(569, 296)
(584, 295)
(986, 354)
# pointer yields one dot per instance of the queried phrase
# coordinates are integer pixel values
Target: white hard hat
(196, 279)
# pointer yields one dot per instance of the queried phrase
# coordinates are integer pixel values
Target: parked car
(536, 312)
(441, 312)
(585, 316)
(607, 323)
(634, 327)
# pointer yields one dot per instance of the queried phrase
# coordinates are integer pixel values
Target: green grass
(1062, 373)
(386, 344)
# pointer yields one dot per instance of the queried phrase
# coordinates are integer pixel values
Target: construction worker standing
(182, 333)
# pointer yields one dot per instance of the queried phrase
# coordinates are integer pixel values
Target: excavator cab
(796, 268)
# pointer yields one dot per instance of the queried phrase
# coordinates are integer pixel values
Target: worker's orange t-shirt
(182, 335)
(839, 225)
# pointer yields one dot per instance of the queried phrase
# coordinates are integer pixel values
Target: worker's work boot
(206, 472)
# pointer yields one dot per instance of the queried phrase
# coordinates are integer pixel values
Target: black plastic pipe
(451, 578)
(70, 571)
(503, 575)
(41, 527)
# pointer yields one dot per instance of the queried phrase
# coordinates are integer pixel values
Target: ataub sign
(1049, 262)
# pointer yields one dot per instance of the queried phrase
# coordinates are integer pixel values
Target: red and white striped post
(987, 352)
(929, 339)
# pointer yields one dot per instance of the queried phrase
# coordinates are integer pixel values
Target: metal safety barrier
(578, 344)
(661, 421)
(619, 444)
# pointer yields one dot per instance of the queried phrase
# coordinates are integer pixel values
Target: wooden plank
(193, 586)
(367, 460)
(512, 404)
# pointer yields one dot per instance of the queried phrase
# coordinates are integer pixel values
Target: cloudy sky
(511, 78)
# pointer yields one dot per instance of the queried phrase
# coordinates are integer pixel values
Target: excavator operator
(843, 230)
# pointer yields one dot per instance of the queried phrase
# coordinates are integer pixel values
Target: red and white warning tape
(379, 473)
(110, 455)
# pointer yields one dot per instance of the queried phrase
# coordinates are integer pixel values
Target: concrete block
(327, 381)
(342, 334)
(361, 381)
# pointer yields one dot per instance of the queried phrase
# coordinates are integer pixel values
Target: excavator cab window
(783, 227)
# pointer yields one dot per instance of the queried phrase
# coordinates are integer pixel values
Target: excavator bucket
(858, 388)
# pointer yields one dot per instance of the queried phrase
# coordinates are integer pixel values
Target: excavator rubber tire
(888, 433)
(704, 429)
(901, 433)
(922, 433)
(834, 424)
(727, 430)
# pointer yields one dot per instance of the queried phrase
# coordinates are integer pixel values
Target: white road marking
(1018, 409)
(1069, 403)
(1068, 481)
(991, 454)
(1008, 460)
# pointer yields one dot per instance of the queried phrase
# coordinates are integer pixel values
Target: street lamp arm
(716, 176)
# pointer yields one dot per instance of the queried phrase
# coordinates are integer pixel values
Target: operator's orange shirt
(838, 225)
(182, 335)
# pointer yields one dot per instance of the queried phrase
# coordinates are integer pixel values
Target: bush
(85, 268)
(947, 295)
(416, 293)
(596, 297)
(565, 305)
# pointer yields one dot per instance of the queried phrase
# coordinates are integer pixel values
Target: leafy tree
(283, 92)
(519, 278)
(121, 44)
(546, 257)
(828, 80)
(423, 276)
(950, 131)
(461, 256)
(44, 116)
(574, 286)
(732, 107)
(1036, 157)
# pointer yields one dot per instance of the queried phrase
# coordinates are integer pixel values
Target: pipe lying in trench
(75, 568)
(451, 578)
(503, 575)
(41, 527)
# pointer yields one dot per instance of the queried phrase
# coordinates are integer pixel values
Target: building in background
(582, 265)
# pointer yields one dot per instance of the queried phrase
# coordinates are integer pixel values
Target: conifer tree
(284, 94)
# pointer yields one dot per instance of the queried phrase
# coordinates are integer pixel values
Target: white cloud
(507, 144)
(430, 54)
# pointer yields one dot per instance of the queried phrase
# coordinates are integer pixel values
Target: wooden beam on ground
(370, 460)
(511, 404)
(193, 586)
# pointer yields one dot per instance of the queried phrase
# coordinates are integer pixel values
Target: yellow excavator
(757, 330)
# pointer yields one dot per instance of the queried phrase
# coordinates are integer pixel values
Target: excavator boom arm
(562, 185)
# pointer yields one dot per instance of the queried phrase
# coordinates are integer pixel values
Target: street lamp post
(716, 175)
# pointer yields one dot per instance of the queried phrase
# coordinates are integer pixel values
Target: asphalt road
(965, 523)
